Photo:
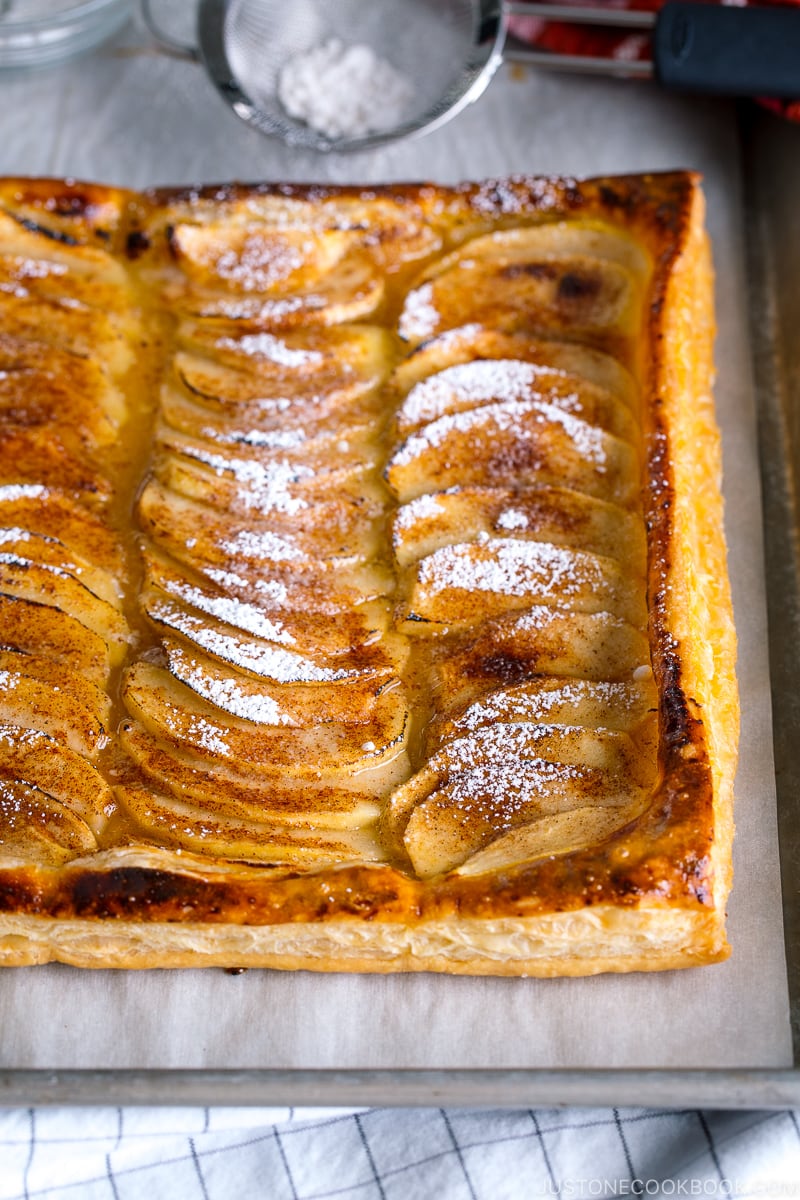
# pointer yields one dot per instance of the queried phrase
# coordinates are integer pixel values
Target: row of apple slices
(280, 262)
(521, 545)
(62, 630)
(68, 329)
(272, 718)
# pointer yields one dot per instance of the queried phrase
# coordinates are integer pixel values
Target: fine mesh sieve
(449, 49)
(442, 49)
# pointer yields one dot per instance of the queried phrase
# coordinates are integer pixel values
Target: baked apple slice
(515, 443)
(33, 454)
(351, 700)
(555, 834)
(471, 385)
(595, 704)
(273, 277)
(54, 587)
(220, 790)
(235, 371)
(176, 822)
(35, 828)
(52, 552)
(331, 534)
(32, 627)
(59, 389)
(547, 514)
(41, 694)
(373, 756)
(540, 641)
(467, 343)
(44, 510)
(465, 584)
(32, 757)
(476, 788)
(272, 423)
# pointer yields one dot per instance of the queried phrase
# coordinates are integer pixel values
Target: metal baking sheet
(771, 168)
(158, 143)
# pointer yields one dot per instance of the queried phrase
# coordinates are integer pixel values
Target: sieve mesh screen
(442, 47)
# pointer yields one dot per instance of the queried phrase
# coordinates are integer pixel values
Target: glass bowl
(39, 33)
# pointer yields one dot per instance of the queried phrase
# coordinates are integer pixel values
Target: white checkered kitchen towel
(394, 1154)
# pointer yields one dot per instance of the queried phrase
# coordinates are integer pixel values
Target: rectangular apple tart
(363, 589)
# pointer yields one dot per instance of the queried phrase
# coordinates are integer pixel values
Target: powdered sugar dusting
(267, 345)
(500, 742)
(15, 534)
(507, 789)
(227, 694)
(506, 417)
(530, 702)
(23, 491)
(417, 510)
(259, 264)
(36, 268)
(344, 91)
(272, 590)
(420, 316)
(267, 484)
(264, 545)
(208, 735)
(512, 518)
(512, 568)
(271, 662)
(231, 611)
(466, 385)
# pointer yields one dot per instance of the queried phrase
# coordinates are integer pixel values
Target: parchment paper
(131, 117)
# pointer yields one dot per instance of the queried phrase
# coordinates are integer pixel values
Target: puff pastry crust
(363, 588)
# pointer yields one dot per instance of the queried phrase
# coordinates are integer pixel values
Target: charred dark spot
(504, 667)
(16, 895)
(136, 243)
(610, 197)
(676, 716)
(574, 286)
(71, 204)
(172, 241)
(55, 235)
(235, 970)
(135, 890)
(667, 215)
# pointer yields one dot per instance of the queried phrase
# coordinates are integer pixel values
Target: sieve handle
(175, 47)
(728, 50)
(712, 48)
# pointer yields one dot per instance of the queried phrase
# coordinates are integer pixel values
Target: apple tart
(363, 589)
